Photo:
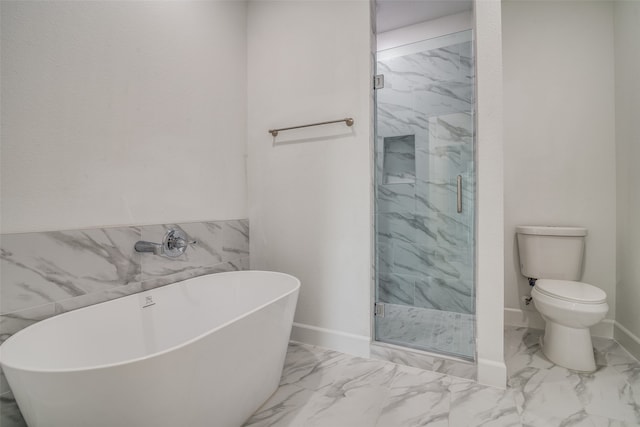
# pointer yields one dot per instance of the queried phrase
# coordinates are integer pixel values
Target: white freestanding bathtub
(207, 351)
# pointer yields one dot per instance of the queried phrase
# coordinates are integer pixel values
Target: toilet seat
(567, 290)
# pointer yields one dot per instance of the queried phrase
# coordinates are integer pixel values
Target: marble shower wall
(425, 139)
(47, 273)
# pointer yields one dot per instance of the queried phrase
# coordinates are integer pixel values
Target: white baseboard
(522, 318)
(627, 339)
(357, 345)
(532, 319)
(492, 373)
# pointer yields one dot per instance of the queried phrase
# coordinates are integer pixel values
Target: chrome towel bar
(348, 121)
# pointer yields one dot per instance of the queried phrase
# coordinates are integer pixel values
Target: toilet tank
(551, 252)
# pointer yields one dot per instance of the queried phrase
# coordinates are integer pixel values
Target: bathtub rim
(295, 289)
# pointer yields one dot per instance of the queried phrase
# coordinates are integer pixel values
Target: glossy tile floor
(325, 388)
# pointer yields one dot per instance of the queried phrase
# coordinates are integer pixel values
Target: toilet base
(569, 347)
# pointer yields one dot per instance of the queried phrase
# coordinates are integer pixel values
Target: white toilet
(553, 256)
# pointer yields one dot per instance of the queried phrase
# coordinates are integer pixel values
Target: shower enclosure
(425, 196)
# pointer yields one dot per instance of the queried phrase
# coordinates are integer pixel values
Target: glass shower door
(425, 196)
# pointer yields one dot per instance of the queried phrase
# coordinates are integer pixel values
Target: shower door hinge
(378, 81)
(378, 309)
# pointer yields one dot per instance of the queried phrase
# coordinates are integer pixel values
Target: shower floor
(427, 329)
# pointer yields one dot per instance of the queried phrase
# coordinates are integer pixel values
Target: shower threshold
(427, 361)
(443, 333)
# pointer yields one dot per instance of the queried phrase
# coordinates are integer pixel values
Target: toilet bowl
(569, 309)
(551, 257)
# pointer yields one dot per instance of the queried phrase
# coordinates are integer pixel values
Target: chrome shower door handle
(459, 199)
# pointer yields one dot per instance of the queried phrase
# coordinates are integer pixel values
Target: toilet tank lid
(542, 230)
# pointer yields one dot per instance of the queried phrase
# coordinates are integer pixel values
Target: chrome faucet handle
(175, 243)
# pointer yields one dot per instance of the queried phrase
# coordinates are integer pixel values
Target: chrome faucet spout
(142, 246)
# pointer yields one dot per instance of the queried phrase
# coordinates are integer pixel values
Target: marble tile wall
(47, 273)
(424, 247)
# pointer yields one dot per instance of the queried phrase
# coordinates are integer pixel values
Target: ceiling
(392, 14)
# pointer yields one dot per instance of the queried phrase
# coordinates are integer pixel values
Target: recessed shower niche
(399, 160)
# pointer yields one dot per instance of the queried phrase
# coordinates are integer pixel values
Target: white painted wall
(122, 113)
(490, 214)
(310, 190)
(559, 131)
(627, 65)
(425, 30)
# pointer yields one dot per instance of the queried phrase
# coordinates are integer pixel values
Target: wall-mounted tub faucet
(174, 244)
(142, 246)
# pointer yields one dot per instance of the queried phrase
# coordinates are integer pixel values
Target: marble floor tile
(608, 394)
(9, 413)
(632, 372)
(607, 422)
(311, 368)
(416, 398)
(473, 404)
(550, 395)
(343, 405)
(355, 398)
(283, 408)
(325, 388)
(610, 353)
(548, 398)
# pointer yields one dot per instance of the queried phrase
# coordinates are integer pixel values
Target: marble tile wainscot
(47, 273)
